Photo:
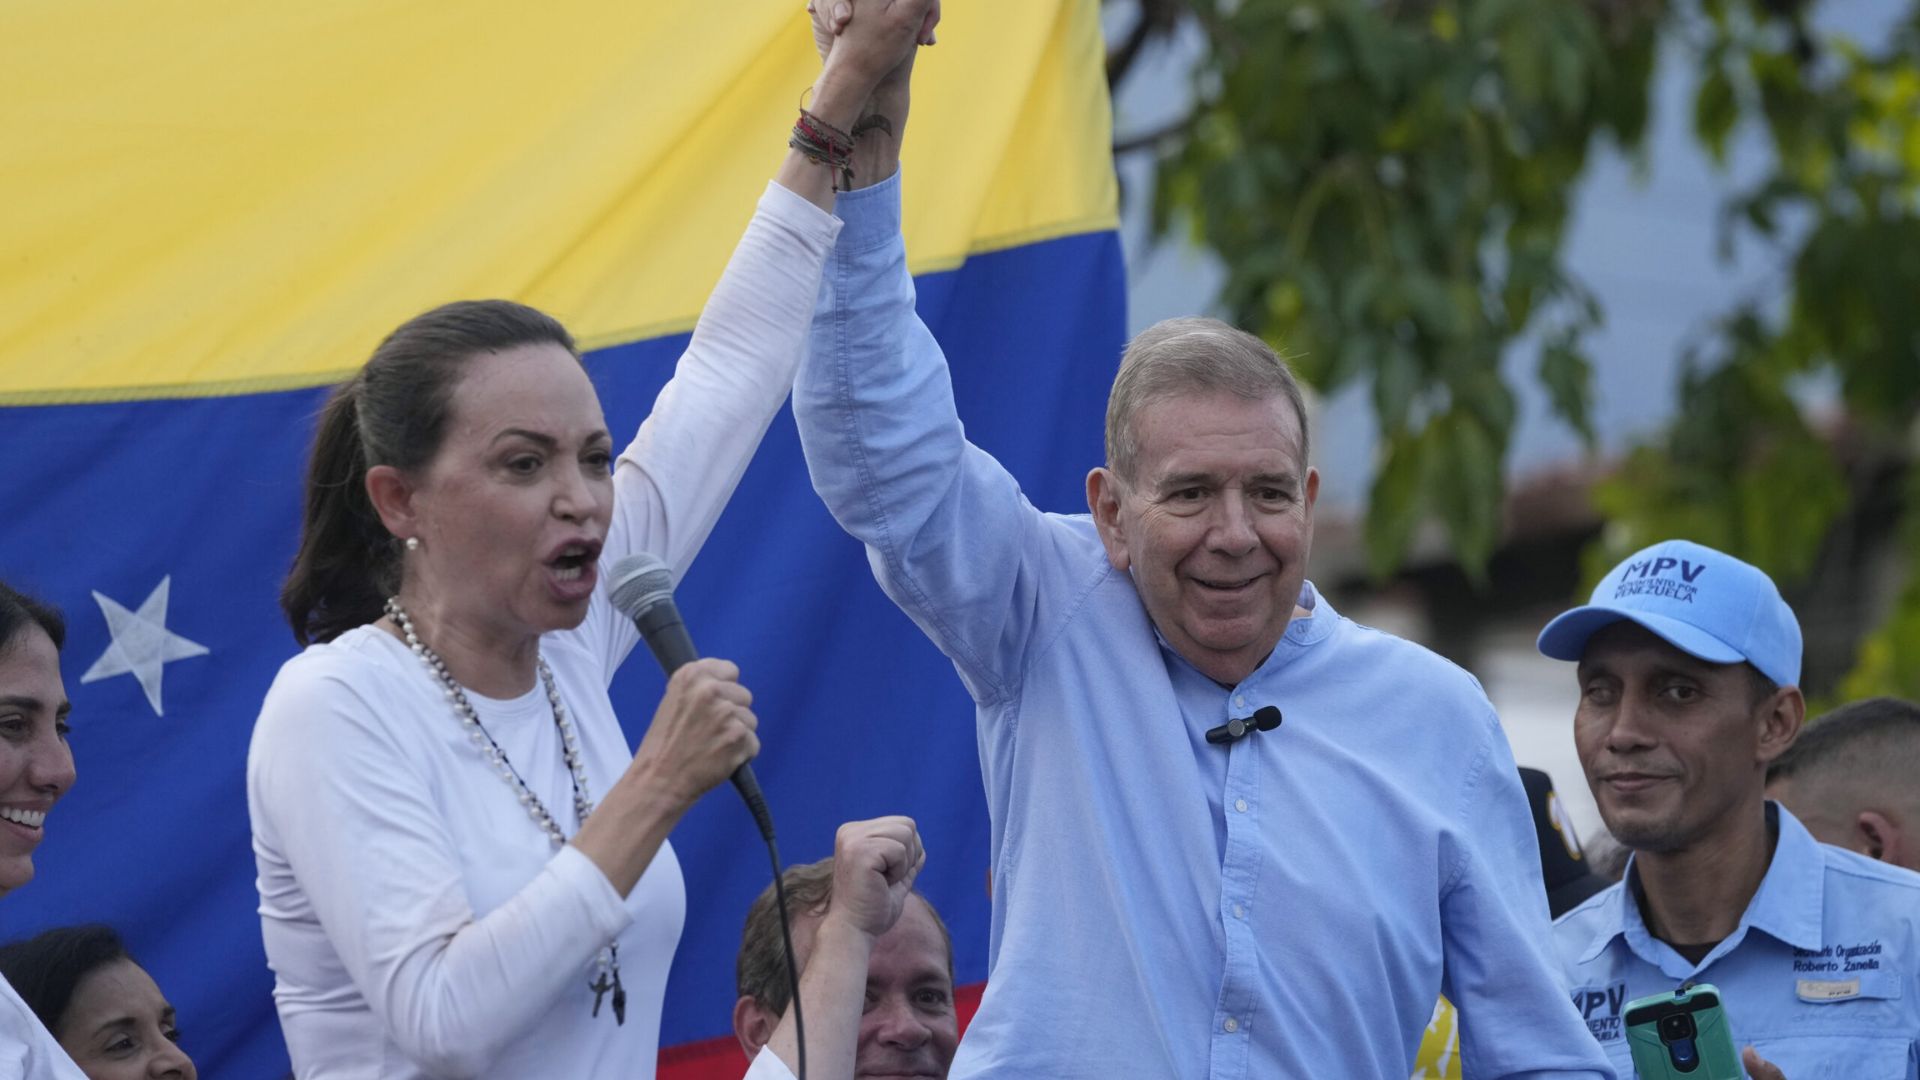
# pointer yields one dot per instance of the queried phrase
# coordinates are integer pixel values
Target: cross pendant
(600, 987)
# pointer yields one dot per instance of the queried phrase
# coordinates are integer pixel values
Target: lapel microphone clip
(1265, 718)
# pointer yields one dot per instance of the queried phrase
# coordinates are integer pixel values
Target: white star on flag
(142, 645)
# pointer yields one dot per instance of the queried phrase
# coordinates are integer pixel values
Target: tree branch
(1121, 57)
(1157, 19)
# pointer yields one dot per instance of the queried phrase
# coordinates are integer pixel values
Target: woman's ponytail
(345, 567)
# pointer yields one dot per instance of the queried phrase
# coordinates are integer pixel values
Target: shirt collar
(1792, 895)
(1616, 909)
(1787, 906)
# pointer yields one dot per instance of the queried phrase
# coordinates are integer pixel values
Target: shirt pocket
(1856, 1028)
(1840, 1057)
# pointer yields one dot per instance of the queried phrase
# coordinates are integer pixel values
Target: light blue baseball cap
(1703, 602)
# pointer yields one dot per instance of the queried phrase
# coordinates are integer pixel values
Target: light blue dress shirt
(1289, 906)
(1822, 975)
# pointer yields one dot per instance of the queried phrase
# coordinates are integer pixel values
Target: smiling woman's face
(36, 767)
(118, 1026)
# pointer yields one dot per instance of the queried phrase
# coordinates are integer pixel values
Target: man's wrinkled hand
(830, 19)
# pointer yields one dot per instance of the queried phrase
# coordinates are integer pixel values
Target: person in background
(36, 769)
(907, 1025)
(1564, 867)
(104, 1008)
(1609, 857)
(463, 866)
(1688, 670)
(1853, 779)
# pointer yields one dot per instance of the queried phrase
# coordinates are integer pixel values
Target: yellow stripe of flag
(201, 198)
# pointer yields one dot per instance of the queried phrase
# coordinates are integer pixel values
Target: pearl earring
(413, 543)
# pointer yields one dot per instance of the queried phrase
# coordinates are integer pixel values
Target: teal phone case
(1682, 1036)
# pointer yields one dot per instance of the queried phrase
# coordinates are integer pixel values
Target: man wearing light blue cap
(1689, 664)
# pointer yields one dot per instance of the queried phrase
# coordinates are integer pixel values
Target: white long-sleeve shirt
(766, 1065)
(28, 1051)
(418, 922)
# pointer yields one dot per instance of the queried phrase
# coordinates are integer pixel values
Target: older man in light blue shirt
(1233, 834)
(1688, 665)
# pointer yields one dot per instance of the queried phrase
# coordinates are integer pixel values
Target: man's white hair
(1192, 355)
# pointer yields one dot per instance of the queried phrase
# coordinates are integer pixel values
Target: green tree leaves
(1387, 184)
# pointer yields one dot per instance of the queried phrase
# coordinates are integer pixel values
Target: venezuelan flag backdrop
(208, 212)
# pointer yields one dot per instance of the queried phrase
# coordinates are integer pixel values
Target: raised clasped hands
(868, 42)
(874, 864)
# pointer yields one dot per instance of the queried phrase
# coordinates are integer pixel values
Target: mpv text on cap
(1703, 602)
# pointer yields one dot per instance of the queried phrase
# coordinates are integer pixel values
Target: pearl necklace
(608, 962)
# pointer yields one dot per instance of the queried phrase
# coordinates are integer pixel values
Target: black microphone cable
(786, 939)
(642, 589)
(750, 793)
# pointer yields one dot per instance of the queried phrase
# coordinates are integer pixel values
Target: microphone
(1265, 718)
(642, 590)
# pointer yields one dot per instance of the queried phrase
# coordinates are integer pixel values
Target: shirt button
(1239, 912)
(1240, 805)
(1239, 701)
(1232, 1025)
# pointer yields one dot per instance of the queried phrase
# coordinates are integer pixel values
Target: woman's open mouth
(573, 569)
(569, 566)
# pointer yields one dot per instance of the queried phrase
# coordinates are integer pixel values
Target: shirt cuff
(801, 215)
(768, 1066)
(872, 216)
(606, 911)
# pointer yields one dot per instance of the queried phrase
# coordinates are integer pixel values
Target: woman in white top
(463, 869)
(36, 768)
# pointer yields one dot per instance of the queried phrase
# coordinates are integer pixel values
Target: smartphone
(1682, 1034)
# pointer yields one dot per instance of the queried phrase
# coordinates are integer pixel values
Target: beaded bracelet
(825, 144)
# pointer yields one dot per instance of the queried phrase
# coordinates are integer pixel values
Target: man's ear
(1104, 489)
(1781, 718)
(392, 498)
(753, 1025)
(1877, 837)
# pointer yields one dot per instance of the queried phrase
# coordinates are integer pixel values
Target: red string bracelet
(824, 144)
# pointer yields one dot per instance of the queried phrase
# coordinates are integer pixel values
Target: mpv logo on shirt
(1600, 1008)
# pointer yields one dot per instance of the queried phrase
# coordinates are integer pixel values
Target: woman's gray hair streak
(1193, 355)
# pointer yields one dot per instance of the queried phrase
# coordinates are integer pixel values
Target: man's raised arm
(947, 529)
